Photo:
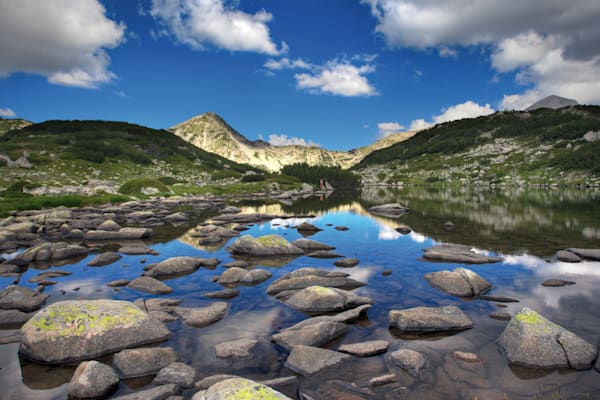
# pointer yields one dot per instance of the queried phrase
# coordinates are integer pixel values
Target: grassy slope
(535, 147)
(7, 125)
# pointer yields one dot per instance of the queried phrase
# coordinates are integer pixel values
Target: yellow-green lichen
(320, 290)
(531, 318)
(253, 391)
(271, 241)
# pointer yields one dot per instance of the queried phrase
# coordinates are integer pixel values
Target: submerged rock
(319, 299)
(411, 361)
(263, 246)
(430, 319)
(241, 388)
(104, 259)
(365, 349)
(133, 363)
(308, 360)
(93, 380)
(85, 329)
(457, 254)
(530, 340)
(459, 282)
(392, 210)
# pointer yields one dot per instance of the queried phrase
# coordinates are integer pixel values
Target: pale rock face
(211, 133)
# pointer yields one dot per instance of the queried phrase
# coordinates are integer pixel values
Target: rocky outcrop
(456, 253)
(69, 331)
(263, 246)
(93, 380)
(430, 319)
(530, 340)
(459, 282)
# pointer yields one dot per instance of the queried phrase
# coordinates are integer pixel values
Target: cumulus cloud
(389, 128)
(285, 140)
(338, 77)
(550, 45)
(199, 22)
(286, 63)
(419, 125)
(468, 109)
(7, 113)
(63, 40)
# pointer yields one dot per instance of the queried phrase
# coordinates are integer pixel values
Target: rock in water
(411, 361)
(21, 298)
(93, 380)
(319, 299)
(263, 246)
(104, 259)
(430, 319)
(178, 266)
(69, 331)
(134, 363)
(530, 340)
(457, 254)
(307, 360)
(241, 388)
(393, 210)
(460, 282)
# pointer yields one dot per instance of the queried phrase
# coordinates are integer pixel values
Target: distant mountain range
(211, 133)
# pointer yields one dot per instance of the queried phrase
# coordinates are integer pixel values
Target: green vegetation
(136, 186)
(28, 202)
(336, 176)
(7, 125)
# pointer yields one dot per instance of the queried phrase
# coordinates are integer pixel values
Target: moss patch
(271, 241)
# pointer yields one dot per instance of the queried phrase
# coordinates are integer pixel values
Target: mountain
(211, 133)
(540, 147)
(10, 124)
(553, 102)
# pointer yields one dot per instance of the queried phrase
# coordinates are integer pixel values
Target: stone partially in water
(149, 285)
(13, 318)
(457, 254)
(309, 245)
(69, 331)
(310, 335)
(365, 349)
(93, 380)
(567, 256)
(411, 361)
(178, 266)
(305, 277)
(530, 340)
(430, 319)
(319, 299)
(134, 363)
(263, 246)
(308, 360)
(202, 316)
(556, 283)
(21, 298)
(104, 259)
(459, 282)
(346, 262)
(234, 275)
(178, 373)
(241, 388)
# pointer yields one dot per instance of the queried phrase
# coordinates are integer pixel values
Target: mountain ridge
(553, 101)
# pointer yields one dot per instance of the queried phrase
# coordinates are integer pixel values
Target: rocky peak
(553, 101)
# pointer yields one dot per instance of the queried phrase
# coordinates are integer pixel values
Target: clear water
(523, 226)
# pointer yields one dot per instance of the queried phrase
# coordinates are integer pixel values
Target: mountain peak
(553, 102)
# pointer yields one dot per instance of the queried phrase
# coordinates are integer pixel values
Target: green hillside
(7, 125)
(539, 147)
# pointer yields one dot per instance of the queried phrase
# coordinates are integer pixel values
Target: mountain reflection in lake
(524, 226)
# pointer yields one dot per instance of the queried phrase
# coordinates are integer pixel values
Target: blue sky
(336, 73)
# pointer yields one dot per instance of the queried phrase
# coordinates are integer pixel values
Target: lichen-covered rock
(178, 266)
(133, 363)
(93, 380)
(263, 246)
(69, 331)
(241, 388)
(430, 319)
(104, 259)
(457, 254)
(308, 360)
(459, 282)
(319, 299)
(530, 340)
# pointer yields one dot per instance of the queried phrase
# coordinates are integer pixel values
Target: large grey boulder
(241, 388)
(202, 316)
(305, 277)
(263, 246)
(310, 335)
(104, 259)
(459, 282)
(178, 373)
(320, 299)
(93, 380)
(308, 360)
(392, 210)
(21, 298)
(457, 254)
(430, 319)
(178, 266)
(133, 363)
(530, 340)
(149, 285)
(77, 330)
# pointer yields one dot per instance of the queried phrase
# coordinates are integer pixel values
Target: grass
(21, 203)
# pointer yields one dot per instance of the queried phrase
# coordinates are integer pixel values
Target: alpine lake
(525, 227)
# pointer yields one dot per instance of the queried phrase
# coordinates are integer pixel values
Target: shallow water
(525, 227)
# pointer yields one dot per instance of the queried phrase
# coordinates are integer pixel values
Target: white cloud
(62, 40)
(338, 77)
(447, 52)
(285, 140)
(198, 22)
(419, 125)
(388, 128)
(286, 63)
(7, 113)
(468, 109)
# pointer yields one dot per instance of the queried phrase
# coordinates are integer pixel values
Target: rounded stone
(240, 388)
(93, 380)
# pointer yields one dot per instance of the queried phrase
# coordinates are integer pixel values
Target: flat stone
(157, 393)
(136, 250)
(237, 264)
(346, 262)
(457, 254)
(392, 210)
(309, 245)
(567, 256)
(459, 282)
(310, 335)
(21, 298)
(235, 348)
(587, 254)
(241, 388)
(319, 299)
(430, 319)
(104, 259)
(178, 373)
(305, 277)
(149, 285)
(77, 330)
(411, 361)
(556, 282)
(324, 254)
(13, 318)
(307, 360)
(465, 356)
(345, 316)
(504, 316)
(202, 316)
(263, 246)
(365, 349)
(222, 294)
(118, 283)
(93, 380)
(382, 380)
(178, 266)
(134, 363)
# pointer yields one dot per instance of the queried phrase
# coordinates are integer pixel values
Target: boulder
(530, 340)
(93, 380)
(324, 254)
(104, 259)
(222, 294)
(456, 253)
(430, 319)
(307, 227)
(52, 251)
(156, 393)
(365, 349)
(109, 225)
(305, 277)
(567, 256)
(346, 263)
(319, 299)
(235, 348)
(121, 234)
(411, 361)
(178, 266)
(309, 245)
(13, 318)
(178, 373)
(459, 282)
(21, 298)
(77, 330)
(308, 360)
(149, 285)
(586, 254)
(241, 388)
(392, 210)
(263, 246)
(134, 363)
(235, 275)
(310, 335)
(202, 316)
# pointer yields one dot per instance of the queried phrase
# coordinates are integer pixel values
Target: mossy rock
(242, 389)
(70, 331)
